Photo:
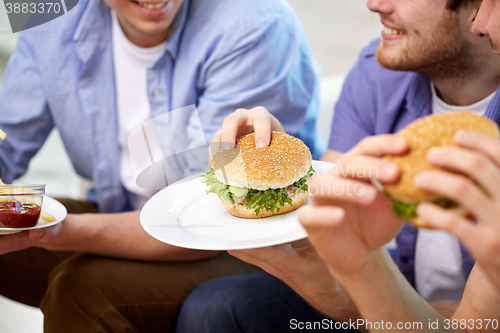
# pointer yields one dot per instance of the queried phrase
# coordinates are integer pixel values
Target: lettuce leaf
(301, 184)
(407, 211)
(216, 186)
(270, 200)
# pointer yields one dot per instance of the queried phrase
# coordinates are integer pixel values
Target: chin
(399, 57)
(151, 28)
(388, 57)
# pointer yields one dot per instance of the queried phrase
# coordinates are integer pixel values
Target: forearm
(342, 308)
(480, 306)
(117, 235)
(381, 293)
(445, 309)
(338, 305)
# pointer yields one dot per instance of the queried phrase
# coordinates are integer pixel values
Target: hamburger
(253, 182)
(422, 135)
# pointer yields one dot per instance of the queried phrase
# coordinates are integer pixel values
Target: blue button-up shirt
(221, 55)
(375, 100)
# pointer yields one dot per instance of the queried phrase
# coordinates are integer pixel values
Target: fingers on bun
(254, 182)
(422, 135)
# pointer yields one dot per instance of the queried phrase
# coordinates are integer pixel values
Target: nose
(480, 24)
(380, 6)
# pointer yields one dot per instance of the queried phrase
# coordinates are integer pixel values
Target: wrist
(373, 266)
(63, 233)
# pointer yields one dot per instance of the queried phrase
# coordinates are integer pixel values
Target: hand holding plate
(303, 271)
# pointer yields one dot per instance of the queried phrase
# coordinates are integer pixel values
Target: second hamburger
(422, 135)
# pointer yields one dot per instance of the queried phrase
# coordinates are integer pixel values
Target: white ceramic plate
(183, 215)
(49, 205)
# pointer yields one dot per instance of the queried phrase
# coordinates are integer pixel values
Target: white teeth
(389, 31)
(151, 5)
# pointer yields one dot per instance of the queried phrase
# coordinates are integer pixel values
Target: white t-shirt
(131, 63)
(439, 272)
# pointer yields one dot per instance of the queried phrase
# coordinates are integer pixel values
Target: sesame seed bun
(282, 163)
(424, 134)
(240, 210)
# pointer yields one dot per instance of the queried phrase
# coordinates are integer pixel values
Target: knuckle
(477, 163)
(496, 151)
(462, 187)
(229, 119)
(216, 136)
(345, 160)
(259, 109)
(450, 220)
(239, 111)
(261, 117)
(365, 142)
(490, 247)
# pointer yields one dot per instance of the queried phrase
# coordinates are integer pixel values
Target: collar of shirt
(419, 97)
(419, 103)
(493, 110)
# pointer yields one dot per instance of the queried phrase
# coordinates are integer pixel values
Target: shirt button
(157, 93)
(102, 45)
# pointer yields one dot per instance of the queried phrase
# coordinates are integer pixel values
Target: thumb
(46, 234)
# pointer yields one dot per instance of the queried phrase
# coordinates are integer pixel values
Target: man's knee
(212, 306)
(224, 304)
(76, 281)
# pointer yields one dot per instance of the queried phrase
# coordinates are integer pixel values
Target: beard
(441, 53)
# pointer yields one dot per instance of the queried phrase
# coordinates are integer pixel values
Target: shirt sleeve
(354, 110)
(266, 64)
(24, 114)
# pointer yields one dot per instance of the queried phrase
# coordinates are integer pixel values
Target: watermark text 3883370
(26, 14)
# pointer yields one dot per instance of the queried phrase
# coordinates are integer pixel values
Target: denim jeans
(251, 303)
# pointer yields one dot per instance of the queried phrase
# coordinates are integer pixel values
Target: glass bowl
(20, 205)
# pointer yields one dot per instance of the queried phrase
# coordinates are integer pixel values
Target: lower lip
(152, 13)
(388, 37)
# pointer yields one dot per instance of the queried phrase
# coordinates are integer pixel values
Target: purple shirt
(375, 100)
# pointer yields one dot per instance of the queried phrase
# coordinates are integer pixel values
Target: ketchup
(16, 214)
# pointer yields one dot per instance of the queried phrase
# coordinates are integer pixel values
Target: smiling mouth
(149, 5)
(390, 31)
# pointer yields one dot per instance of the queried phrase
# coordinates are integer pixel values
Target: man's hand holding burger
(349, 239)
(475, 185)
(348, 220)
(349, 229)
